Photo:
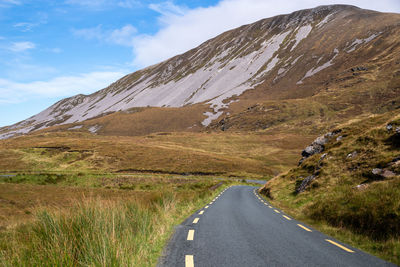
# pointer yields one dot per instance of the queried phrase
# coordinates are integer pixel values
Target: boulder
(389, 127)
(384, 173)
(305, 183)
(388, 174)
(318, 145)
(377, 171)
(322, 140)
(352, 155)
(311, 150)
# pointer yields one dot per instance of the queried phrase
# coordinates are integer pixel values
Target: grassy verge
(385, 248)
(130, 230)
(355, 193)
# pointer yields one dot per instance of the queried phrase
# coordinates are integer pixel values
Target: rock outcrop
(318, 145)
(304, 184)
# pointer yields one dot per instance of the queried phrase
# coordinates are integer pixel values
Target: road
(241, 229)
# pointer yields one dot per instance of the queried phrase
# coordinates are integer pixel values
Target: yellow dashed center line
(270, 207)
(305, 228)
(340, 246)
(189, 261)
(286, 217)
(190, 235)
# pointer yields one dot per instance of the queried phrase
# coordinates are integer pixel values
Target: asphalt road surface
(239, 228)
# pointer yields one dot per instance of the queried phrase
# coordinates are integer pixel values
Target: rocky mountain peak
(281, 54)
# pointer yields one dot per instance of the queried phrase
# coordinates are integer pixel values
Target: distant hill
(343, 60)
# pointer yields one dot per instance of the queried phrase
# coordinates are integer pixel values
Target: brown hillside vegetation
(59, 225)
(356, 188)
(141, 121)
(240, 155)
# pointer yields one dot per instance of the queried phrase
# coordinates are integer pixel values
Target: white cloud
(168, 8)
(87, 3)
(21, 70)
(21, 46)
(90, 33)
(129, 4)
(183, 29)
(101, 4)
(63, 86)
(9, 2)
(25, 26)
(123, 36)
(41, 18)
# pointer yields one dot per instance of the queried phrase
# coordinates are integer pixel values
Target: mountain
(326, 52)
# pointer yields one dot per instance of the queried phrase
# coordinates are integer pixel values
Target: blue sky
(55, 49)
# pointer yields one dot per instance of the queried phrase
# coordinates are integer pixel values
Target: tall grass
(374, 212)
(347, 199)
(97, 233)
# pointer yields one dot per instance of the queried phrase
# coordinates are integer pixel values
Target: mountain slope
(349, 179)
(280, 57)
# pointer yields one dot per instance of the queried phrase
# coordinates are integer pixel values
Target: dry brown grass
(142, 121)
(237, 154)
(19, 202)
(366, 217)
(48, 225)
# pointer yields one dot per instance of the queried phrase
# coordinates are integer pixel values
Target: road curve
(241, 229)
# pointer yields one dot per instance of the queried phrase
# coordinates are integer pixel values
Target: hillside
(236, 155)
(349, 179)
(335, 56)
